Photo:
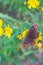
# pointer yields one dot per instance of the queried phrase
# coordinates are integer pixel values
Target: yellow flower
(33, 3)
(24, 33)
(1, 31)
(19, 37)
(42, 9)
(8, 31)
(39, 45)
(29, 7)
(39, 38)
(25, 3)
(42, 49)
(1, 22)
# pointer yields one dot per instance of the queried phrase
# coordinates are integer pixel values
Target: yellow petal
(42, 9)
(39, 45)
(25, 3)
(1, 22)
(1, 31)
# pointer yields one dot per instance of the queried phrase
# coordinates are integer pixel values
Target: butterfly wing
(30, 38)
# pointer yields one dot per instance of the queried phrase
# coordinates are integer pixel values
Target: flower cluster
(5, 31)
(39, 38)
(23, 34)
(39, 42)
(8, 31)
(1, 29)
(32, 3)
(42, 9)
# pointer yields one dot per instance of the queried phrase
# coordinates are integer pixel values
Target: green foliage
(11, 48)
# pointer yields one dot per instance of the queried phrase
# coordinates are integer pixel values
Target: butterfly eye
(25, 45)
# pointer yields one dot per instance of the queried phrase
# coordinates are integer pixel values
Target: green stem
(4, 16)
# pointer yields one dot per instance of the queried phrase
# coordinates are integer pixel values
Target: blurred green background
(19, 17)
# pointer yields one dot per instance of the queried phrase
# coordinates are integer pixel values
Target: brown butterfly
(31, 36)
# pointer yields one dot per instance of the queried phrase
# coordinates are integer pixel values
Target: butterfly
(31, 36)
